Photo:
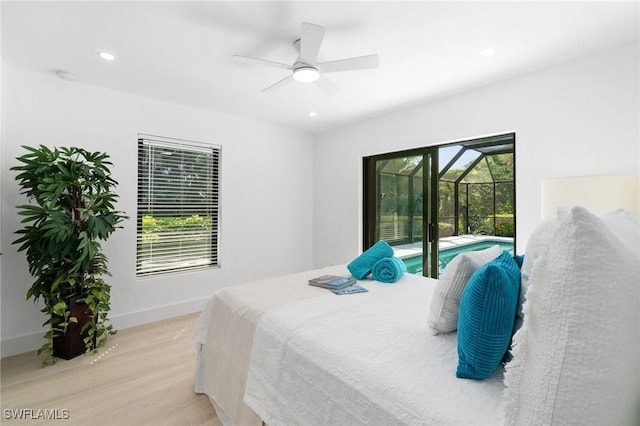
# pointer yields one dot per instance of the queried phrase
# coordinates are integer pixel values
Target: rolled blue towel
(389, 269)
(361, 266)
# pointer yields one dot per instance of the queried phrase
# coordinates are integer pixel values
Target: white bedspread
(366, 358)
(225, 330)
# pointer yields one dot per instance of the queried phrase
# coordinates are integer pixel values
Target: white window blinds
(178, 205)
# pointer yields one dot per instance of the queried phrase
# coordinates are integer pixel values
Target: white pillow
(576, 357)
(625, 227)
(536, 247)
(445, 303)
(620, 222)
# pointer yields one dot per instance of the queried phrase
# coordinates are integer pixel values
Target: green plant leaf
(45, 347)
(59, 308)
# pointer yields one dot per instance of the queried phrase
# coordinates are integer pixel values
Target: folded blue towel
(389, 269)
(361, 266)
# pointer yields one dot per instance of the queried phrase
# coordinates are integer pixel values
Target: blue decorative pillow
(519, 258)
(487, 314)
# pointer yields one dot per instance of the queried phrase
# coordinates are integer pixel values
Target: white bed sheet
(224, 335)
(365, 358)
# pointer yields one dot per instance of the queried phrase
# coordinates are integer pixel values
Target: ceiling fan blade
(250, 60)
(279, 84)
(327, 86)
(311, 36)
(350, 64)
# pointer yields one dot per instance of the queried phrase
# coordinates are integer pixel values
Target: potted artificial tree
(73, 208)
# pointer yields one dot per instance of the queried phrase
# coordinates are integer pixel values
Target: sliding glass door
(431, 204)
(398, 206)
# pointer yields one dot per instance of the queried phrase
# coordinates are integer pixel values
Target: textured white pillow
(536, 247)
(625, 227)
(576, 357)
(620, 222)
(445, 303)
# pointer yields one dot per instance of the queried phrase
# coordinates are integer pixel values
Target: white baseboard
(32, 341)
(120, 322)
(21, 344)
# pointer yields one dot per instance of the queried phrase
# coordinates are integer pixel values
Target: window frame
(190, 229)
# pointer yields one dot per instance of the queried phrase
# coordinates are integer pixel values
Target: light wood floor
(143, 376)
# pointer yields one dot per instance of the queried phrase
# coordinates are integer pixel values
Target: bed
(282, 352)
(321, 348)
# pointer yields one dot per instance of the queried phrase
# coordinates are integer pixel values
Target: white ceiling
(182, 51)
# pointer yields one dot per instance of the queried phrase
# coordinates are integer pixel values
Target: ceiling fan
(306, 69)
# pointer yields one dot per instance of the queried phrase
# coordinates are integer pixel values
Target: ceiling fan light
(306, 74)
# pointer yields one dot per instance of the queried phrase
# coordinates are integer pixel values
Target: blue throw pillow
(487, 314)
(519, 258)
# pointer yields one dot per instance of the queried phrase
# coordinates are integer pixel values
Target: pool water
(414, 263)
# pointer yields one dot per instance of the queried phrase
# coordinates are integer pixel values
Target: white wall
(266, 201)
(576, 118)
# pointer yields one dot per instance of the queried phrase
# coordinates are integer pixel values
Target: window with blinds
(178, 205)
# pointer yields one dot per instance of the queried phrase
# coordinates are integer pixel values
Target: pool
(414, 263)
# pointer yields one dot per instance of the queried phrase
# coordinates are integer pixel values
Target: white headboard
(599, 194)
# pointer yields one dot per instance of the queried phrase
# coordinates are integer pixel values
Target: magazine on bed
(355, 288)
(332, 282)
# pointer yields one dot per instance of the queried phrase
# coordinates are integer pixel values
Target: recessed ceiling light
(488, 51)
(106, 56)
(312, 114)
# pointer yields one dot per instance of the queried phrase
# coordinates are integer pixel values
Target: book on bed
(354, 288)
(332, 282)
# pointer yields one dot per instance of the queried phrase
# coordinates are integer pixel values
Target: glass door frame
(429, 202)
(430, 199)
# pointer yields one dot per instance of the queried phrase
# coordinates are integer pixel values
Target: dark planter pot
(71, 344)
